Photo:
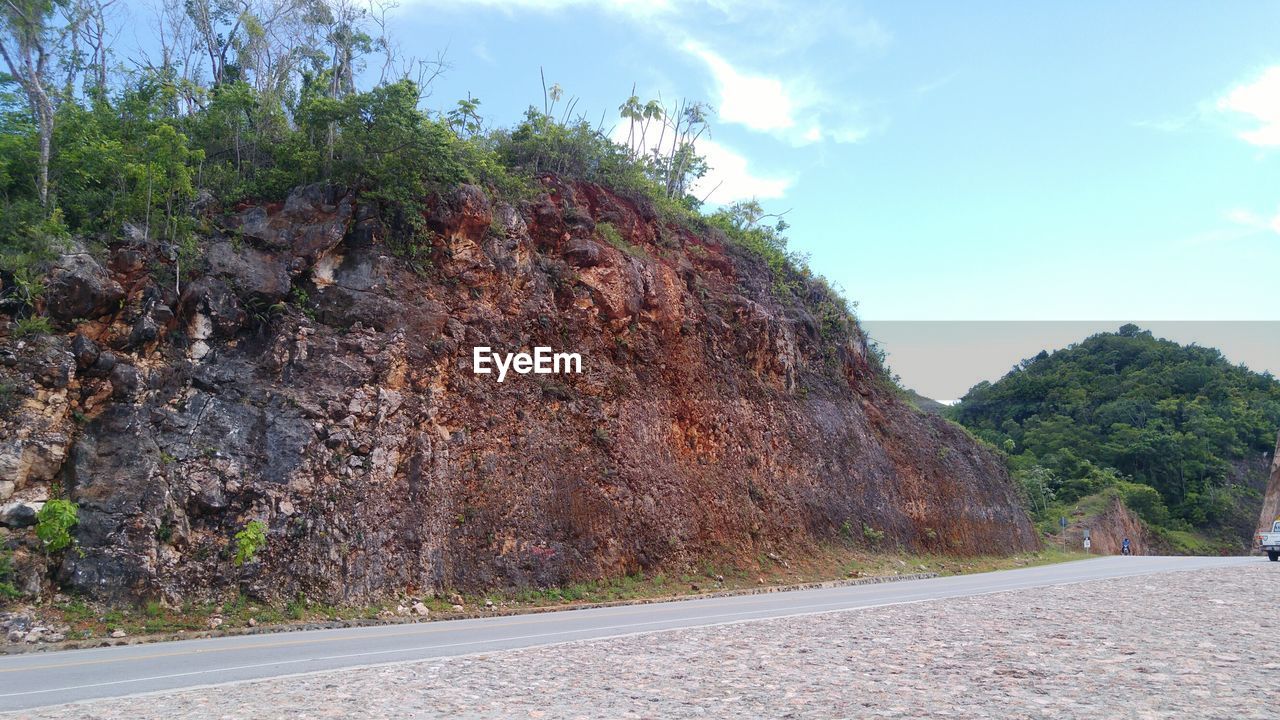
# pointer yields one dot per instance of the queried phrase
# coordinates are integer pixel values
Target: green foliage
(296, 609)
(8, 590)
(1162, 423)
(28, 243)
(846, 529)
(54, 523)
(249, 541)
(32, 326)
(741, 221)
(872, 535)
(576, 149)
(1037, 483)
(614, 238)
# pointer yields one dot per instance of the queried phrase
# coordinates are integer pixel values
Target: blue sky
(943, 160)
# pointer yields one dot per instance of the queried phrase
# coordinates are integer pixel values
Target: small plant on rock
(54, 523)
(8, 590)
(32, 326)
(872, 535)
(846, 529)
(249, 542)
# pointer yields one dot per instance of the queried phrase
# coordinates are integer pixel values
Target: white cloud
(481, 51)
(731, 179)
(790, 105)
(790, 109)
(757, 101)
(1255, 221)
(1259, 99)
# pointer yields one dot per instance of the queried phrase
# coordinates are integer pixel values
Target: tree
(95, 32)
(1180, 421)
(31, 36)
(465, 119)
(217, 25)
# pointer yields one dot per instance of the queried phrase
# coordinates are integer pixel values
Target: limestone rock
(19, 515)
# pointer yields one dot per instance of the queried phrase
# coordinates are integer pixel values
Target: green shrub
(249, 542)
(297, 607)
(32, 326)
(872, 535)
(8, 590)
(1145, 501)
(614, 238)
(846, 529)
(54, 523)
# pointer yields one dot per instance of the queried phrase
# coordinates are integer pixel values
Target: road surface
(39, 679)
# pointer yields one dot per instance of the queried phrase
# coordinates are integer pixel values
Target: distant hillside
(1130, 411)
(926, 404)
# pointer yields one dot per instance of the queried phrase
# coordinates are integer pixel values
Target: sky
(942, 161)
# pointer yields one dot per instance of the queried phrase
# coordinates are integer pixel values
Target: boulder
(313, 220)
(79, 287)
(211, 309)
(465, 212)
(85, 351)
(19, 514)
(251, 271)
(126, 381)
(583, 253)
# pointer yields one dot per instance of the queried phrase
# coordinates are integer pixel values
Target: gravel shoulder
(1176, 645)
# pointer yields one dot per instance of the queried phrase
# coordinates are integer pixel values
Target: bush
(8, 590)
(31, 326)
(872, 535)
(54, 523)
(249, 541)
(29, 242)
(1145, 501)
(614, 238)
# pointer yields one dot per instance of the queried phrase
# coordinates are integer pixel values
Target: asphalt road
(37, 679)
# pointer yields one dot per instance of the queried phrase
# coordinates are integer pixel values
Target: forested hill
(1126, 408)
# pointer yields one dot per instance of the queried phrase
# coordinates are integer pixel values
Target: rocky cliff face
(1109, 527)
(307, 378)
(1271, 497)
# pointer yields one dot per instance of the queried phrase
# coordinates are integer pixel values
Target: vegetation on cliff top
(248, 99)
(1171, 429)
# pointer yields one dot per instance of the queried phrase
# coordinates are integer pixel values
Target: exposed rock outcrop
(1109, 528)
(1271, 497)
(308, 379)
(80, 288)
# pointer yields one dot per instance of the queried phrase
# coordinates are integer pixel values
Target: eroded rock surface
(1271, 498)
(307, 378)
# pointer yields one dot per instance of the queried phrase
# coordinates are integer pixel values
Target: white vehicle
(1270, 541)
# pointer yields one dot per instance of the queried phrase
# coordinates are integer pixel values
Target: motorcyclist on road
(1124, 547)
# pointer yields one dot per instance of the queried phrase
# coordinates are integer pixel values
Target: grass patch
(611, 235)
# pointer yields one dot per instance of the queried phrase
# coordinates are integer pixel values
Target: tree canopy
(1129, 407)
